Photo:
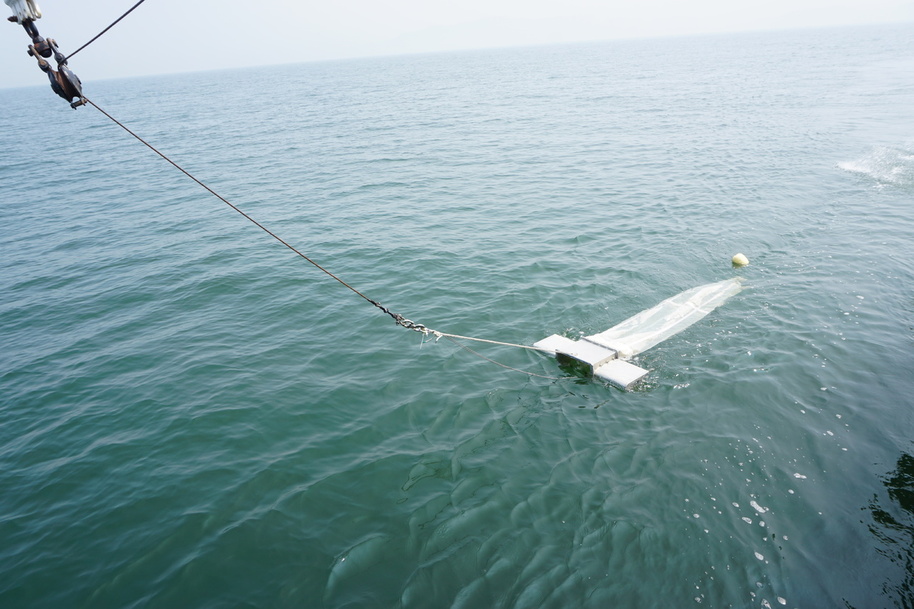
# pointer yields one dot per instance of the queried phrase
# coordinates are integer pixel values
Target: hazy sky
(165, 36)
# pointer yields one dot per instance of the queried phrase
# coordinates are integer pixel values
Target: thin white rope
(452, 338)
(491, 342)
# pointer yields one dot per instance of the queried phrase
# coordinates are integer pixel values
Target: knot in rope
(400, 320)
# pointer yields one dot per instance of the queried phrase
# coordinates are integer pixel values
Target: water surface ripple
(191, 416)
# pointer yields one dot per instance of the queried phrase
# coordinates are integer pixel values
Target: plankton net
(607, 351)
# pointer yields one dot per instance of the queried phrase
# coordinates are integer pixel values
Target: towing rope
(67, 85)
(399, 319)
(505, 366)
(102, 33)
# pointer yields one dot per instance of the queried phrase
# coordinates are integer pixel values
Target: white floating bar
(583, 351)
(620, 373)
(604, 363)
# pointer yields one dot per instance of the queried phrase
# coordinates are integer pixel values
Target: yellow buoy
(740, 260)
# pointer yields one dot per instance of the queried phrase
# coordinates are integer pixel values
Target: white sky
(166, 36)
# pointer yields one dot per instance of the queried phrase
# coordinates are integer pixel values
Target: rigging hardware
(63, 81)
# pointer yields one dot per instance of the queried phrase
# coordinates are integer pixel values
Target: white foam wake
(885, 165)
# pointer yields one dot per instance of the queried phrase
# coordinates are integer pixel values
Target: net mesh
(673, 315)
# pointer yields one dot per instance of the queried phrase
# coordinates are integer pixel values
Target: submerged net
(673, 315)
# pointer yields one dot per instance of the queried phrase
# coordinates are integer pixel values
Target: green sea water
(192, 416)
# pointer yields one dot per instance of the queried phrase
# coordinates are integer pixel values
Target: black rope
(102, 33)
(401, 321)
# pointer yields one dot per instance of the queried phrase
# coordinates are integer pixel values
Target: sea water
(193, 416)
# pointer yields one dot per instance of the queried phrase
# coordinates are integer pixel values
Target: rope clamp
(410, 325)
